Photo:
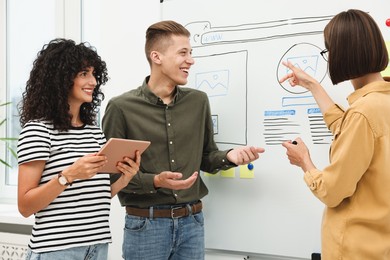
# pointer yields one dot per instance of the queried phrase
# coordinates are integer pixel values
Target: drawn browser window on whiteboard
(233, 61)
(203, 34)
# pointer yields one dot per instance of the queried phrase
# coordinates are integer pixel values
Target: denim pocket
(133, 223)
(198, 218)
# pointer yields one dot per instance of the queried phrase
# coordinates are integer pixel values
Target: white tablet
(116, 148)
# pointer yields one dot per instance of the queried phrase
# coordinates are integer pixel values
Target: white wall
(117, 29)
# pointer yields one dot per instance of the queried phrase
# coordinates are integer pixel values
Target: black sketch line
(203, 34)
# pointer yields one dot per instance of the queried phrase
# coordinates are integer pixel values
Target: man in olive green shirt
(164, 218)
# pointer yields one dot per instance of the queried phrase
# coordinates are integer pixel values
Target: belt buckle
(173, 212)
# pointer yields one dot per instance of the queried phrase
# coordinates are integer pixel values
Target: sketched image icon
(305, 56)
(306, 63)
(214, 83)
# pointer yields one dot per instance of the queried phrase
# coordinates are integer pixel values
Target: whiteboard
(238, 47)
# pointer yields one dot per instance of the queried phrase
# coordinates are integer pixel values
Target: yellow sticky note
(228, 173)
(245, 173)
(386, 72)
(206, 174)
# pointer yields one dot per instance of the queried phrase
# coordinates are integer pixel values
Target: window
(27, 25)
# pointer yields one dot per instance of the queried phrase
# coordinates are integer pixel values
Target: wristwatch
(62, 180)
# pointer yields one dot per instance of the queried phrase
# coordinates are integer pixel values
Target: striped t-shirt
(79, 216)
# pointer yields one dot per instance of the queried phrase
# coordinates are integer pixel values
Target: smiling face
(82, 90)
(176, 60)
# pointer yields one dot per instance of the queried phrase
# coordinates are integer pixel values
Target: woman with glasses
(355, 186)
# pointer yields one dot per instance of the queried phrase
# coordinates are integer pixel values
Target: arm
(298, 154)
(172, 180)
(299, 77)
(348, 163)
(115, 124)
(351, 155)
(213, 159)
(129, 169)
(244, 154)
(33, 197)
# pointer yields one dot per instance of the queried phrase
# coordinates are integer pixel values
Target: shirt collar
(155, 99)
(378, 86)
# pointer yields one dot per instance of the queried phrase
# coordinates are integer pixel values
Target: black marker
(294, 142)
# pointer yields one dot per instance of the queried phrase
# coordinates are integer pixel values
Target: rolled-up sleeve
(351, 153)
(333, 117)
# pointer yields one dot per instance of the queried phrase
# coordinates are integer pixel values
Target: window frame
(68, 17)
(5, 191)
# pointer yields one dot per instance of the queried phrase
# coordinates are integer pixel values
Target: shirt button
(223, 160)
(171, 142)
(173, 161)
(169, 124)
(175, 195)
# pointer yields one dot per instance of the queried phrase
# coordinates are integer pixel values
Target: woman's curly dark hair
(51, 80)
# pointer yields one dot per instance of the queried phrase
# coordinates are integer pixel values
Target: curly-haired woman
(58, 166)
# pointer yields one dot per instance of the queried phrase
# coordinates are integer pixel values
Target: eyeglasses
(324, 54)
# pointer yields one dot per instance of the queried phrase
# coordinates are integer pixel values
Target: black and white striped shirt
(79, 216)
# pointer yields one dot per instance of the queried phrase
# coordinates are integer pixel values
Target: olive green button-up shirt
(182, 140)
(356, 185)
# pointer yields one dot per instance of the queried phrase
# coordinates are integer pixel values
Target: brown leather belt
(174, 212)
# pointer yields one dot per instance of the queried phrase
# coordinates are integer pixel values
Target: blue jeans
(93, 252)
(164, 238)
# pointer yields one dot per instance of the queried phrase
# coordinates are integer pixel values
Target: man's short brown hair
(158, 35)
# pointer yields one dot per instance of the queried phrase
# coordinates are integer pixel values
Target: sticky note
(206, 174)
(245, 173)
(231, 173)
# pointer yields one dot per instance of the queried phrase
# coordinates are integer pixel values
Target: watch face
(62, 180)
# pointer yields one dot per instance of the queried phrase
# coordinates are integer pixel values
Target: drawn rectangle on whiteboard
(223, 78)
(298, 101)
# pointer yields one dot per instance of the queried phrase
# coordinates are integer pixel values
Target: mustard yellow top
(355, 186)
